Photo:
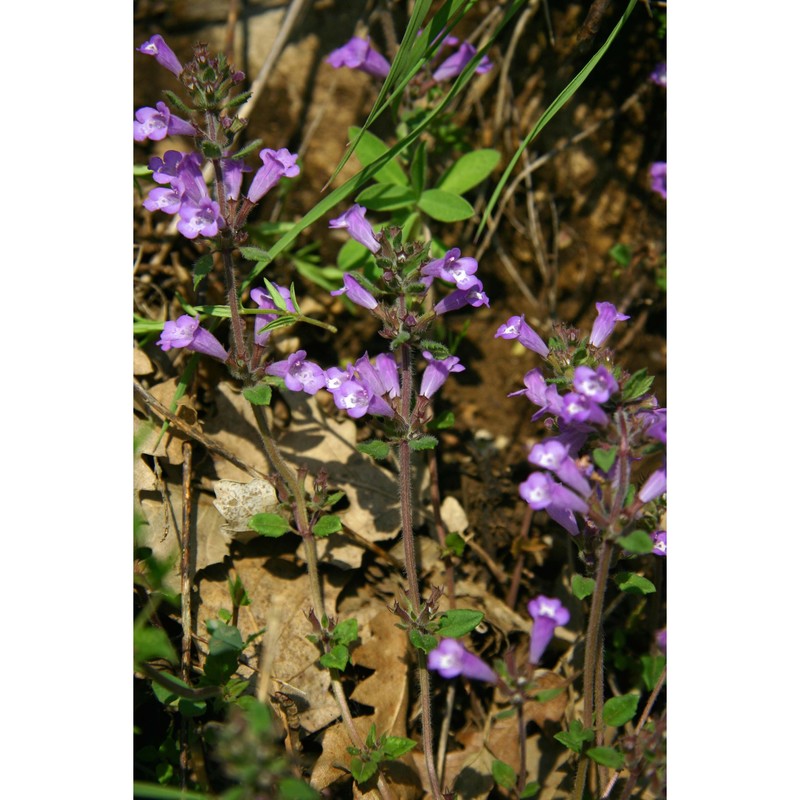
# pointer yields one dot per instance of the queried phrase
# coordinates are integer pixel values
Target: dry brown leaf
(148, 435)
(238, 502)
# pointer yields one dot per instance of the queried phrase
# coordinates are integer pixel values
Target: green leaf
(633, 583)
(259, 395)
(438, 350)
(575, 736)
(459, 622)
(327, 525)
(224, 648)
(333, 498)
(419, 168)
(607, 757)
(254, 253)
(345, 632)
(546, 695)
(604, 458)
(151, 791)
(637, 385)
(638, 542)
(619, 710)
(442, 421)
(150, 642)
(582, 587)
(371, 737)
(444, 206)
(202, 267)
(469, 171)
(422, 641)
(295, 789)
(191, 708)
(621, 253)
(337, 658)
(386, 197)
(455, 543)
(272, 525)
(503, 774)
(530, 790)
(362, 770)
(374, 448)
(277, 297)
(370, 148)
(425, 442)
(397, 746)
(652, 667)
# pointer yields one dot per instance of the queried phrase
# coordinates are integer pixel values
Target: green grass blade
(565, 95)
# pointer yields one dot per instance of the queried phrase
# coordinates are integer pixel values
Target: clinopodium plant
(598, 472)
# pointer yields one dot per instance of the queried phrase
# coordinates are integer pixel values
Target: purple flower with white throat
(156, 46)
(516, 328)
(355, 223)
(554, 456)
(454, 65)
(186, 332)
(436, 373)
(579, 408)
(547, 613)
(277, 164)
(607, 315)
(452, 268)
(540, 491)
(199, 217)
(450, 659)
(299, 374)
(659, 75)
(354, 291)
(163, 198)
(156, 123)
(597, 385)
(358, 54)
(659, 543)
(474, 296)
(658, 178)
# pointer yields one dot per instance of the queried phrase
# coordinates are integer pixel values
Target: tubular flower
(156, 46)
(277, 164)
(451, 659)
(453, 269)
(547, 613)
(474, 296)
(358, 54)
(263, 299)
(353, 290)
(517, 328)
(607, 315)
(658, 178)
(454, 65)
(654, 486)
(436, 373)
(186, 332)
(156, 123)
(299, 374)
(355, 223)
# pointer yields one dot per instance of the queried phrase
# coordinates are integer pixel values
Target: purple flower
(451, 659)
(356, 292)
(156, 123)
(659, 543)
(163, 198)
(356, 398)
(354, 222)
(540, 491)
(659, 75)
(597, 385)
(277, 164)
(186, 332)
(607, 315)
(474, 296)
(166, 170)
(517, 328)
(453, 269)
(382, 378)
(654, 486)
(553, 455)
(157, 47)
(454, 64)
(298, 374)
(199, 218)
(436, 373)
(232, 171)
(656, 424)
(358, 54)
(658, 177)
(263, 299)
(578, 408)
(661, 640)
(547, 613)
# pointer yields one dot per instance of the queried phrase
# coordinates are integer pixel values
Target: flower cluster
(566, 482)
(359, 54)
(182, 189)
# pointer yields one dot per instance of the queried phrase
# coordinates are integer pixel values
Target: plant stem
(409, 553)
(523, 767)
(513, 589)
(592, 656)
